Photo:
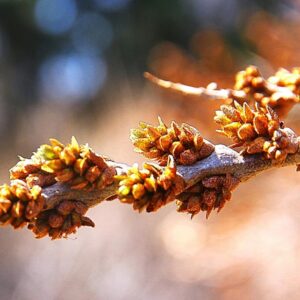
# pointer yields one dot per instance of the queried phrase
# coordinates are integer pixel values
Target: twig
(223, 160)
(214, 93)
(195, 91)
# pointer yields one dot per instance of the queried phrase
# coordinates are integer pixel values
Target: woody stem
(222, 161)
(214, 93)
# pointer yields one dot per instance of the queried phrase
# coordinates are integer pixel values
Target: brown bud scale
(19, 203)
(74, 164)
(184, 142)
(60, 221)
(257, 130)
(151, 187)
(209, 194)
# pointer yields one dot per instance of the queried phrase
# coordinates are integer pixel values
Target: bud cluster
(29, 170)
(77, 165)
(19, 203)
(287, 79)
(257, 130)
(61, 221)
(209, 194)
(250, 81)
(151, 187)
(183, 142)
(267, 91)
(74, 164)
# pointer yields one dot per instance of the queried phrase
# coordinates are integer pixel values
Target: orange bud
(230, 113)
(79, 183)
(206, 150)
(260, 123)
(193, 205)
(153, 133)
(246, 132)
(81, 165)
(67, 156)
(209, 197)
(198, 141)
(256, 146)
(188, 157)
(80, 208)
(65, 175)
(17, 209)
(5, 205)
(165, 143)
(138, 190)
(176, 148)
(55, 220)
(143, 144)
(65, 207)
(92, 174)
(96, 159)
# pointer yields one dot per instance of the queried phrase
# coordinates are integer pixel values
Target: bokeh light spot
(92, 33)
(72, 77)
(55, 16)
(112, 5)
(182, 238)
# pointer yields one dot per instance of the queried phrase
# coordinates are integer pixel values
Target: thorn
(192, 215)
(222, 203)
(87, 221)
(208, 212)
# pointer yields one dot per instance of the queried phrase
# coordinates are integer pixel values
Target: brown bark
(222, 161)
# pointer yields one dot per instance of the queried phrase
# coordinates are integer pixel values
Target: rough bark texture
(223, 160)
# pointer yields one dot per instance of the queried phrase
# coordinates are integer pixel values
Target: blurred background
(74, 67)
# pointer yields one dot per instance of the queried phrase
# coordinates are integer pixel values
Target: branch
(195, 91)
(52, 191)
(222, 161)
(212, 92)
(57, 192)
